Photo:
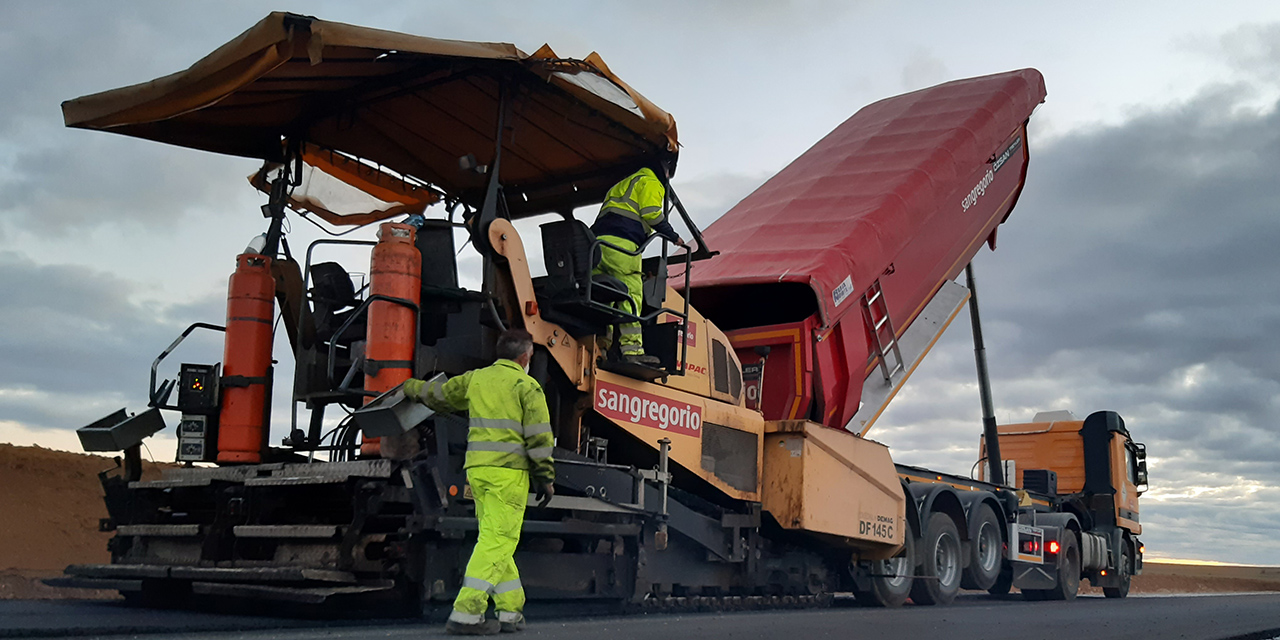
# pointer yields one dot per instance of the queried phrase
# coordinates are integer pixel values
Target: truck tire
(1125, 577)
(892, 586)
(1004, 582)
(940, 563)
(985, 552)
(1068, 570)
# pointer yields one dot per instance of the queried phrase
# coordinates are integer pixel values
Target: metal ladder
(875, 313)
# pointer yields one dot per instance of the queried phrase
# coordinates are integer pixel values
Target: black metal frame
(647, 318)
(420, 527)
(703, 252)
(159, 397)
(363, 308)
(312, 444)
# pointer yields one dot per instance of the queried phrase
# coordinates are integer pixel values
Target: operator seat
(566, 247)
(334, 297)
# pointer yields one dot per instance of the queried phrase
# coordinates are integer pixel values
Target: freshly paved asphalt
(1246, 617)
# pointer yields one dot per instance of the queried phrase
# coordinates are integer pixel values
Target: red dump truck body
(901, 195)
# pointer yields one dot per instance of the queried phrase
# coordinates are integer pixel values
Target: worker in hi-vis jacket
(509, 440)
(630, 213)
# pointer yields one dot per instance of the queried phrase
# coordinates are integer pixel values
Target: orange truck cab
(1093, 466)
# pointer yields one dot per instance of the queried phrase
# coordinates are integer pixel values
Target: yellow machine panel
(829, 481)
(718, 442)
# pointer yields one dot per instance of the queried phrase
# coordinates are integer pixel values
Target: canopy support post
(702, 252)
(493, 192)
(290, 175)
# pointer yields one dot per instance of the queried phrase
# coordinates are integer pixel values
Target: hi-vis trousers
(627, 269)
(500, 495)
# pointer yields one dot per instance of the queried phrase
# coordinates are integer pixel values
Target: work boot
(511, 622)
(643, 359)
(482, 628)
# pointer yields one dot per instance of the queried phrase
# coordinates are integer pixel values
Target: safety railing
(648, 318)
(159, 397)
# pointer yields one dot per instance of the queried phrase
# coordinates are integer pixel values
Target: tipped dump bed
(904, 192)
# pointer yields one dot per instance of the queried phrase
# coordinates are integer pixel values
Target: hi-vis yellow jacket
(633, 209)
(510, 424)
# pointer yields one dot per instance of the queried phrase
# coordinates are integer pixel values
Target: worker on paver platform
(630, 213)
(509, 440)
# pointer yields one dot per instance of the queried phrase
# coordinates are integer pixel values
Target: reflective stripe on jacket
(510, 424)
(633, 208)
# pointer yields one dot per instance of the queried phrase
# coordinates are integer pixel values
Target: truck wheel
(1004, 582)
(891, 585)
(1122, 590)
(986, 551)
(940, 563)
(1068, 570)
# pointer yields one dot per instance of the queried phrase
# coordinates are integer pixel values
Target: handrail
(157, 398)
(364, 306)
(703, 252)
(306, 302)
(635, 316)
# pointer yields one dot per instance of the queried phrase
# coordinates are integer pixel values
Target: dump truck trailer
(735, 473)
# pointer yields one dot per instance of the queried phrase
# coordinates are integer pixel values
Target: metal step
(170, 484)
(159, 530)
(210, 574)
(288, 481)
(286, 531)
(304, 595)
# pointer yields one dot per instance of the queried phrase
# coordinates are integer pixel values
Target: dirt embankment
(1171, 577)
(50, 503)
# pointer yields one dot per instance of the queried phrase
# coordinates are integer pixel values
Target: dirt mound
(1173, 577)
(1170, 584)
(51, 502)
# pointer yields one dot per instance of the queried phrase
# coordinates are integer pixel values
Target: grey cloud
(55, 50)
(73, 340)
(709, 197)
(52, 178)
(79, 185)
(1252, 49)
(923, 69)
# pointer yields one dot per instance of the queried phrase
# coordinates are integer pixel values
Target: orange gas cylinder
(396, 271)
(246, 360)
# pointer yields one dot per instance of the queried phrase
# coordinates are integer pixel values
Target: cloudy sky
(1139, 272)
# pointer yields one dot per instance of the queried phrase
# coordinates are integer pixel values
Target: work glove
(413, 388)
(545, 491)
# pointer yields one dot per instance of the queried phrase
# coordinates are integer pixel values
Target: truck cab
(1093, 467)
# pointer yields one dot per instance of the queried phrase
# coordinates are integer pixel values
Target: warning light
(1104, 572)
(1142, 549)
(453, 489)
(1053, 546)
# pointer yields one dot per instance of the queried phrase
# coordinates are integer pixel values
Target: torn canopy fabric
(409, 103)
(343, 191)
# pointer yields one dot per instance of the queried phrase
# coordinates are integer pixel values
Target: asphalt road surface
(1237, 616)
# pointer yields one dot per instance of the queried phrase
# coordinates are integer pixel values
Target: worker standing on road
(630, 213)
(509, 440)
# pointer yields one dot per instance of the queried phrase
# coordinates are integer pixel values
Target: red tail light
(1053, 546)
